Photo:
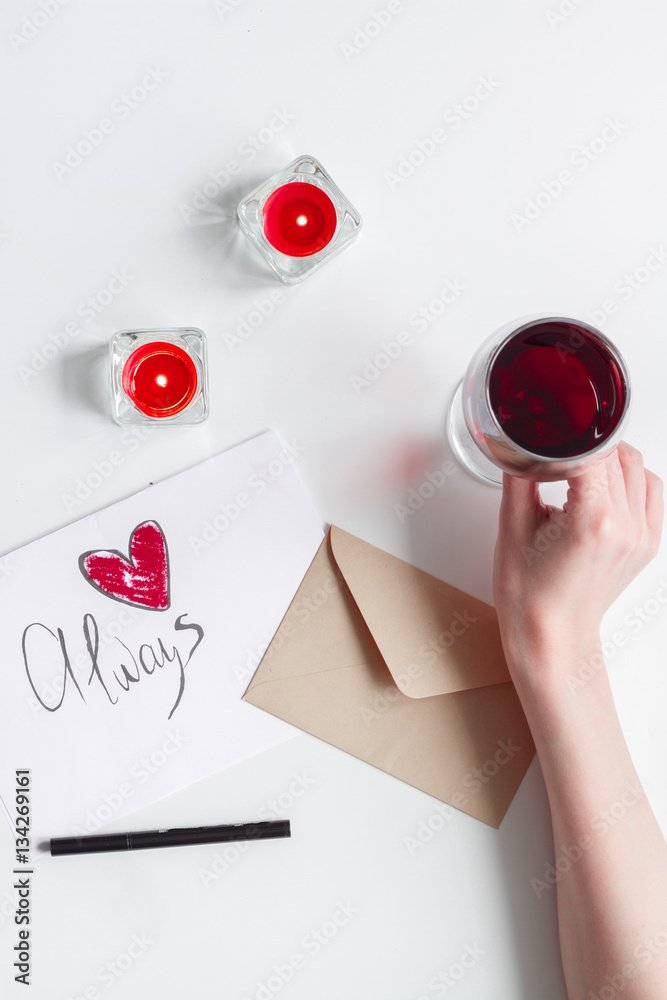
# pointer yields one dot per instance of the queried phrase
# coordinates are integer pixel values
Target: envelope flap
(434, 638)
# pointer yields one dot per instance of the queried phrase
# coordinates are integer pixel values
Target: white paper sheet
(240, 534)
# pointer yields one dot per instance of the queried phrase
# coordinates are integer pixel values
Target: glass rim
(597, 334)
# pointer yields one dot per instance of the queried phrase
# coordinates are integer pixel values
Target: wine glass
(542, 398)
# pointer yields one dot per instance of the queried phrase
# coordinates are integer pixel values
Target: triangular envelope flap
(434, 638)
(322, 629)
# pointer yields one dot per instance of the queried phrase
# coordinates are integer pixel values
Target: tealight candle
(299, 219)
(159, 376)
(160, 379)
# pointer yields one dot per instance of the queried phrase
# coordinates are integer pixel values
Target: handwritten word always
(149, 658)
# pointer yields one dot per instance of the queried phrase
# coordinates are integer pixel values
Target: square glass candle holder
(299, 219)
(159, 376)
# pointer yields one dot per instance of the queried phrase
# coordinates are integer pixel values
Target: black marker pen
(170, 838)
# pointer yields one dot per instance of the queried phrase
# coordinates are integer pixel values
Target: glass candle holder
(299, 219)
(159, 376)
(543, 398)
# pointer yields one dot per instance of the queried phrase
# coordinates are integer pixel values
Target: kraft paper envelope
(403, 671)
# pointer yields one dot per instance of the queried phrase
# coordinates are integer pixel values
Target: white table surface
(359, 90)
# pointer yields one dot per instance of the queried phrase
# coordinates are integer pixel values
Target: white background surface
(226, 71)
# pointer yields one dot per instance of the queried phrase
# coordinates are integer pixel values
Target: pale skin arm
(550, 599)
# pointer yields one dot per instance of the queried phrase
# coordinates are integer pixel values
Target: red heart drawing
(143, 579)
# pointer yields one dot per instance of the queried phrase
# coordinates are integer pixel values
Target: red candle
(299, 219)
(160, 378)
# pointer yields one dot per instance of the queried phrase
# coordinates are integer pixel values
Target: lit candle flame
(301, 220)
(161, 380)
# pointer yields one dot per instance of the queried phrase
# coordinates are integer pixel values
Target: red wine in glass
(556, 390)
(543, 397)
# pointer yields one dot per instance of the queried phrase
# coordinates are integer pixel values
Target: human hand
(557, 571)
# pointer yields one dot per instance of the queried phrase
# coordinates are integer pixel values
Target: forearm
(610, 853)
